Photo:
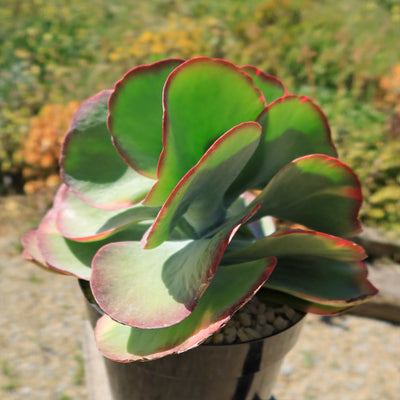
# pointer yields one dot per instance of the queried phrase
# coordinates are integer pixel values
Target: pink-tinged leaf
(321, 281)
(136, 111)
(271, 87)
(32, 253)
(56, 250)
(203, 98)
(316, 191)
(158, 287)
(298, 243)
(70, 257)
(199, 195)
(230, 289)
(77, 220)
(293, 127)
(92, 167)
(31, 250)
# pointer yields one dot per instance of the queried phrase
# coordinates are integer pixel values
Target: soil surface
(41, 331)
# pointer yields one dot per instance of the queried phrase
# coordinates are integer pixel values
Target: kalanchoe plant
(170, 181)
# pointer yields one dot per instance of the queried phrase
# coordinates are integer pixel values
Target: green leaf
(301, 304)
(79, 221)
(203, 99)
(31, 250)
(231, 287)
(317, 191)
(158, 287)
(90, 164)
(319, 280)
(136, 111)
(297, 243)
(323, 271)
(271, 87)
(199, 195)
(57, 252)
(293, 127)
(70, 257)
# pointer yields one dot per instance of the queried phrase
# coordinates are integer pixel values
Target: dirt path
(41, 322)
(349, 358)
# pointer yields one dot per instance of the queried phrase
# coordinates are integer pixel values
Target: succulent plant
(170, 183)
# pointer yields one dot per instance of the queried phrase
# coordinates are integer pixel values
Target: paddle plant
(170, 181)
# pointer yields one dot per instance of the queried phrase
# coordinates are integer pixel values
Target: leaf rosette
(170, 183)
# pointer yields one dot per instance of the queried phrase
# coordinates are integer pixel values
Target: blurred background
(343, 54)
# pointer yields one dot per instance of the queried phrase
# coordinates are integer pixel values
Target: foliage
(390, 86)
(181, 37)
(42, 43)
(388, 98)
(41, 148)
(170, 220)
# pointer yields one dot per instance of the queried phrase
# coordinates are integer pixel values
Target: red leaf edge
(136, 71)
(266, 77)
(147, 236)
(305, 99)
(165, 92)
(339, 241)
(200, 336)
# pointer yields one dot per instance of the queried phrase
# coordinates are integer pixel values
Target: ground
(41, 333)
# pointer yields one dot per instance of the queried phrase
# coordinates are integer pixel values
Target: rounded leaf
(91, 166)
(203, 99)
(136, 111)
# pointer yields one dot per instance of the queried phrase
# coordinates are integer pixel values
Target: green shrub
(40, 150)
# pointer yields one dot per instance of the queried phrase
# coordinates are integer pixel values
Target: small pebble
(270, 315)
(242, 335)
(267, 330)
(255, 320)
(296, 317)
(244, 318)
(252, 333)
(280, 323)
(261, 319)
(251, 308)
(288, 311)
(218, 338)
(229, 334)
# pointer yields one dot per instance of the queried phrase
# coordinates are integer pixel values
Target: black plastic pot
(245, 371)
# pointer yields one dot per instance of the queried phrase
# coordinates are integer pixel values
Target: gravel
(254, 321)
(345, 357)
(41, 325)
